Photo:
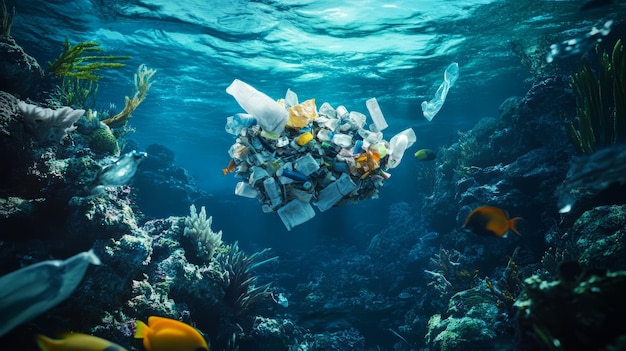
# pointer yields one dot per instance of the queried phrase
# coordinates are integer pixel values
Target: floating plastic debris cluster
(291, 154)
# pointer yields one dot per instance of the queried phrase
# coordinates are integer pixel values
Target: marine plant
(601, 102)
(142, 85)
(7, 19)
(79, 84)
(77, 93)
(240, 284)
(72, 62)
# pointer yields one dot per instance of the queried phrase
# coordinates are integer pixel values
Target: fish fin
(512, 223)
(45, 343)
(141, 330)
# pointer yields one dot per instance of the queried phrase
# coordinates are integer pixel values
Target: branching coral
(198, 227)
(240, 290)
(601, 102)
(72, 64)
(142, 85)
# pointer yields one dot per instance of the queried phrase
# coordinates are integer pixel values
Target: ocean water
(338, 52)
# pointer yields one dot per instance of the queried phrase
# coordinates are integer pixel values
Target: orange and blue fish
(488, 220)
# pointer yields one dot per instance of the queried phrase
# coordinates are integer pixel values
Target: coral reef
(142, 85)
(198, 228)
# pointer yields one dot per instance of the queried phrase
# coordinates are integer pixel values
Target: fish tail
(141, 330)
(225, 171)
(45, 343)
(512, 223)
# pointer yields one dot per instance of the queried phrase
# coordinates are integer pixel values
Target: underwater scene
(299, 175)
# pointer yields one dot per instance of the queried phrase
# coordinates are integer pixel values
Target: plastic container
(306, 164)
(336, 190)
(377, 114)
(291, 98)
(343, 140)
(235, 123)
(295, 213)
(342, 111)
(245, 190)
(304, 138)
(270, 115)
(357, 119)
(324, 135)
(272, 189)
(297, 176)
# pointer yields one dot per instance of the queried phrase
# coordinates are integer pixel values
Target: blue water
(338, 52)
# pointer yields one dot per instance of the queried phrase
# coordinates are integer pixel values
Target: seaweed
(601, 102)
(72, 63)
(6, 19)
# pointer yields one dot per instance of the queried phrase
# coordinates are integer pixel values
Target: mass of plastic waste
(291, 154)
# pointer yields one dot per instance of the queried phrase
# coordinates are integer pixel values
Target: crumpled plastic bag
(302, 114)
(432, 107)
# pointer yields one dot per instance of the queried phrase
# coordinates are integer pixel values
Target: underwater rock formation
(598, 238)
(580, 311)
(164, 188)
(20, 74)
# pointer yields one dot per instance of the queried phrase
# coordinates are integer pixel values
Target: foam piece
(32, 290)
(432, 107)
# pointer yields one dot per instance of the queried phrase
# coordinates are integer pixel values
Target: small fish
(230, 168)
(487, 220)
(76, 342)
(425, 155)
(165, 334)
(579, 45)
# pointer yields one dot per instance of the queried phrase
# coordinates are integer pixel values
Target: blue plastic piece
(298, 177)
(32, 290)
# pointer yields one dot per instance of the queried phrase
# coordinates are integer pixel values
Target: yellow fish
(165, 334)
(425, 155)
(487, 220)
(76, 342)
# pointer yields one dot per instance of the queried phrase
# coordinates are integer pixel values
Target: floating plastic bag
(32, 290)
(432, 107)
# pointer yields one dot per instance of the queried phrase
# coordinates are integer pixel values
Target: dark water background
(343, 53)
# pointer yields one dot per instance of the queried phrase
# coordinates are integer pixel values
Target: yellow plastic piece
(302, 114)
(304, 138)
